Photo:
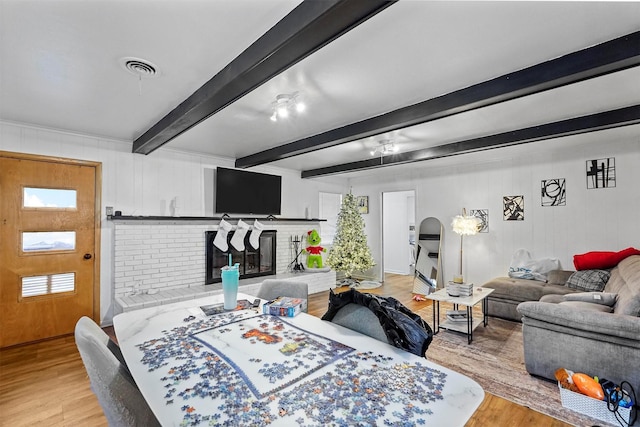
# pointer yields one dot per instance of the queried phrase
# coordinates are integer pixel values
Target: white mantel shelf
(264, 220)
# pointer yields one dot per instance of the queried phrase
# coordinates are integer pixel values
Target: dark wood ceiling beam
(614, 55)
(590, 123)
(307, 28)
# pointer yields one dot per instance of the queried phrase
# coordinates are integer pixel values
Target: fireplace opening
(253, 262)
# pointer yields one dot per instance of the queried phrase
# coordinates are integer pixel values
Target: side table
(479, 295)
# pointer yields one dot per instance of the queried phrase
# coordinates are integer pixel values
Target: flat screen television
(244, 192)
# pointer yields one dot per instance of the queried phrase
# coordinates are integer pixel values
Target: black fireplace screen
(253, 262)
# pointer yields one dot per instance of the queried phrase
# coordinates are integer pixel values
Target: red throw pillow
(602, 259)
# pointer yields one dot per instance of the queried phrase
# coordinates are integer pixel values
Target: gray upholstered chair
(120, 399)
(359, 318)
(273, 288)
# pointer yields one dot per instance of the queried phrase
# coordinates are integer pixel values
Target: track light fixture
(386, 146)
(286, 105)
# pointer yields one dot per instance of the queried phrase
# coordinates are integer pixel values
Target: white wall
(145, 185)
(600, 219)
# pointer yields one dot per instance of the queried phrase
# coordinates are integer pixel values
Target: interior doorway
(398, 231)
(49, 246)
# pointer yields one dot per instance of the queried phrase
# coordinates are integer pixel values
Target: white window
(51, 198)
(48, 241)
(50, 284)
(330, 204)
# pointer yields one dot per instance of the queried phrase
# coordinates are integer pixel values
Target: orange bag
(588, 386)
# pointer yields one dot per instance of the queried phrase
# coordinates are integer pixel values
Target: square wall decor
(513, 208)
(601, 173)
(363, 204)
(553, 192)
(483, 219)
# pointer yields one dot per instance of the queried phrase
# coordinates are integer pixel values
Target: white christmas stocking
(220, 241)
(237, 241)
(254, 237)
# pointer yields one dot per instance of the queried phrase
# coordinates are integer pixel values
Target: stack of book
(460, 289)
(465, 289)
(285, 306)
(457, 315)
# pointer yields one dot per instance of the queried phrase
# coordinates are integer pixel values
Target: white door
(398, 210)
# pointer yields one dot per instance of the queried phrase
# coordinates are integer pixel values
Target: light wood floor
(45, 384)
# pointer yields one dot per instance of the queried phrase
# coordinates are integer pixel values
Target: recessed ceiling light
(139, 67)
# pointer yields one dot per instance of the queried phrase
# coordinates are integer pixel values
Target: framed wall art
(483, 219)
(363, 204)
(601, 173)
(513, 208)
(553, 192)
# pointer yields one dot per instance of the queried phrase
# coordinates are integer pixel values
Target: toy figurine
(314, 250)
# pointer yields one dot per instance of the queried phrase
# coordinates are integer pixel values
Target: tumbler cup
(230, 276)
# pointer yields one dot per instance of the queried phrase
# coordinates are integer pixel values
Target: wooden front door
(49, 240)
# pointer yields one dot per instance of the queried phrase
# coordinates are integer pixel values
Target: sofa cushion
(625, 281)
(509, 292)
(587, 306)
(602, 259)
(553, 298)
(588, 280)
(520, 290)
(603, 298)
(558, 277)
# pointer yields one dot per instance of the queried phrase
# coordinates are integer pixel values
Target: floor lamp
(464, 225)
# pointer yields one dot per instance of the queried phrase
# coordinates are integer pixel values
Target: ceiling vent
(139, 67)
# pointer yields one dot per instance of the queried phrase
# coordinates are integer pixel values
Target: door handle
(87, 256)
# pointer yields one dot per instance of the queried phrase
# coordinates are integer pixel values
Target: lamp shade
(465, 225)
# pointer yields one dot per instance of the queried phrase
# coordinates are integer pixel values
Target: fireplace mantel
(207, 219)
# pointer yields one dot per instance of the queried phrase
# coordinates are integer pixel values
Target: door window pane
(48, 241)
(48, 198)
(50, 284)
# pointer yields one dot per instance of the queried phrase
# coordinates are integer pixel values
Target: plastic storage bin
(591, 407)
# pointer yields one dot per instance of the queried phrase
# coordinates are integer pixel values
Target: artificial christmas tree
(350, 251)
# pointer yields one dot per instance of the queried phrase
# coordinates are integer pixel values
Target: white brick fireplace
(161, 260)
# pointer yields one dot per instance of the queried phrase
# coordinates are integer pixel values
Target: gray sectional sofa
(509, 292)
(585, 336)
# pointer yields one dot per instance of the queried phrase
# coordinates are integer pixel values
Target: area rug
(366, 284)
(358, 284)
(495, 360)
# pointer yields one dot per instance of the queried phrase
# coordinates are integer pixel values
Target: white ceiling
(59, 69)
